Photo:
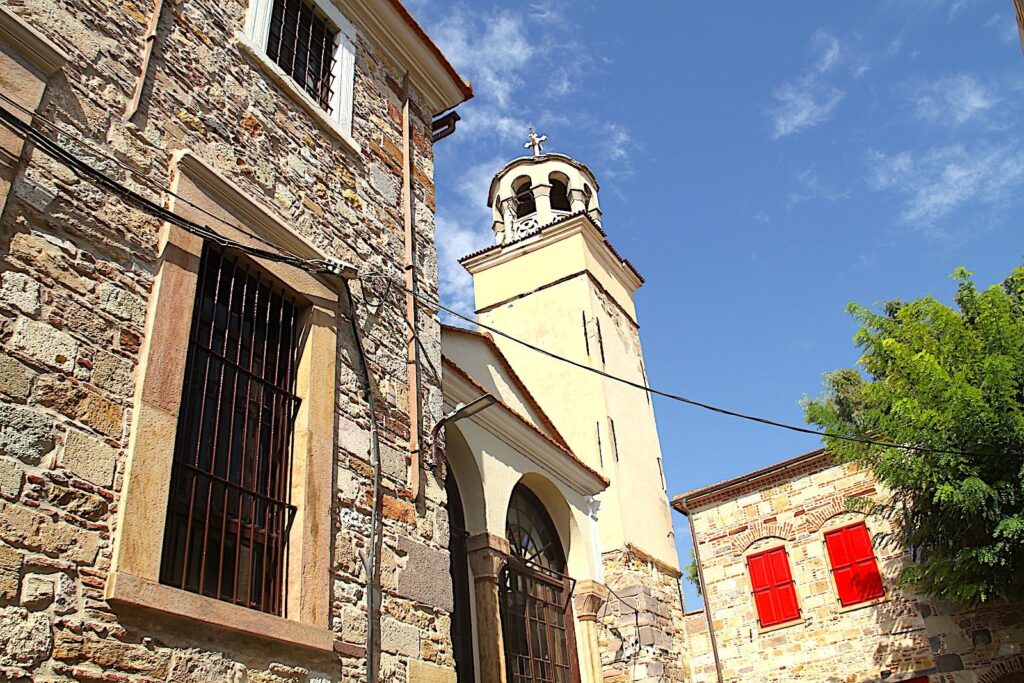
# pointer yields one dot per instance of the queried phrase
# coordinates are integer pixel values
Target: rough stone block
(19, 291)
(44, 344)
(15, 378)
(11, 478)
(121, 303)
(10, 573)
(25, 638)
(80, 404)
(112, 373)
(37, 591)
(401, 639)
(89, 458)
(418, 580)
(425, 672)
(41, 533)
(25, 434)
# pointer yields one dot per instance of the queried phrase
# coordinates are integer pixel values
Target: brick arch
(758, 530)
(1007, 666)
(813, 521)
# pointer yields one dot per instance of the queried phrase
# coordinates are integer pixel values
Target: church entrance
(535, 594)
(462, 623)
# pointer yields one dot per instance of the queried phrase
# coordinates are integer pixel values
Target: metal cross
(536, 142)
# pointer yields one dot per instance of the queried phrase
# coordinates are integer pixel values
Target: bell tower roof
(532, 192)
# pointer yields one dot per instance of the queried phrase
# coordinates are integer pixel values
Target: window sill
(283, 81)
(779, 627)
(127, 590)
(861, 605)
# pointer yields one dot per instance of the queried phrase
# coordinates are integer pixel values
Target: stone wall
(76, 270)
(640, 635)
(904, 634)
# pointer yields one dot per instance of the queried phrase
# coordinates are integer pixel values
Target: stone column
(542, 196)
(587, 601)
(508, 219)
(577, 201)
(487, 555)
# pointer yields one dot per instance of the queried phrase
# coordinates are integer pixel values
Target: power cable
(695, 403)
(147, 181)
(337, 268)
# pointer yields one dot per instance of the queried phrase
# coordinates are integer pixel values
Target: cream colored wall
(480, 362)
(478, 457)
(634, 509)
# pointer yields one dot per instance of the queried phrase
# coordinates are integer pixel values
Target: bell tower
(552, 278)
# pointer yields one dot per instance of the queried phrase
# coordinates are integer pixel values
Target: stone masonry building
(797, 587)
(187, 449)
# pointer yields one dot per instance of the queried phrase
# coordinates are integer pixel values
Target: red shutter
(772, 584)
(853, 564)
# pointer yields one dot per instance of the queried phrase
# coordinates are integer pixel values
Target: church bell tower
(553, 278)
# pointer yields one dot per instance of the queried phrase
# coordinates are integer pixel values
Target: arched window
(525, 203)
(559, 193)
(587, 194)
(536, 612)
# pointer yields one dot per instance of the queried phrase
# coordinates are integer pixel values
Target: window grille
(535, 598)
(302, 42)
(229, 512)
(853, 564)
(774, 590)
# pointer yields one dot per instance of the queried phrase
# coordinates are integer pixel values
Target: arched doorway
(458, 566)
(535, 595)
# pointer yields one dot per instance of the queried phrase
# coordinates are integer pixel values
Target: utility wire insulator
(337, 267)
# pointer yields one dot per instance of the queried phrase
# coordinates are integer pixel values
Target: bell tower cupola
(534, 191)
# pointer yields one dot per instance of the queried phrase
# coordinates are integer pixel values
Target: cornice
(513, 429)
(574, 224)
(31, 44)
(395, 31)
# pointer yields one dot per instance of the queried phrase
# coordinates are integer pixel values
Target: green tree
(951, 379)
(690, 571)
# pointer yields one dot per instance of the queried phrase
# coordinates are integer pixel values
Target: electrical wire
(699, 404)
(146, 180)
(131, 197)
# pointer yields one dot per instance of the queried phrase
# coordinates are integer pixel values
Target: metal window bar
(537, 621)
(229, 514)
(302, 42)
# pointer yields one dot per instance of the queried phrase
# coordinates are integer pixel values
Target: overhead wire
(146, 205)
(146, 180)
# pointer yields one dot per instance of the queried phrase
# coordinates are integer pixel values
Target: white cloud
(810, 186)
(943, 179)
(953, 100)
(808, 100)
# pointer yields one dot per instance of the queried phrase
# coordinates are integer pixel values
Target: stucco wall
(905, 634)
(77, 267)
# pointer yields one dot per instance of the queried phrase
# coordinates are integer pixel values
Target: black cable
(149, 182)
(691, 402)
(320, 266)
(376, 537)
(129, 196)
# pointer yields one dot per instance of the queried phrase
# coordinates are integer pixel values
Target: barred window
(229, 513)
(303, 43)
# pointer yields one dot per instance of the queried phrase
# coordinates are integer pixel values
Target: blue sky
(761, 164)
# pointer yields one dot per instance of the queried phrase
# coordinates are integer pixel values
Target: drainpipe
(147, 52)
(412, 349)
(703, 588)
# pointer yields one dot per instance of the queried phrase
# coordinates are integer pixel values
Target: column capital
(487, 555)
(588, 598)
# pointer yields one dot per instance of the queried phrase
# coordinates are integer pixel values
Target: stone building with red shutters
(797, 587)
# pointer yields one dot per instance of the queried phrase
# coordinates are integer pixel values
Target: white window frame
(257, 34)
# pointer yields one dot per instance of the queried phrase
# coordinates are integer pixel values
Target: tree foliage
(951, 379)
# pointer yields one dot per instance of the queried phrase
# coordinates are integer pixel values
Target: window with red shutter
(773, 588)
(853, 564)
